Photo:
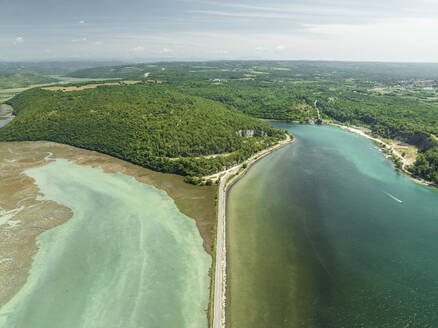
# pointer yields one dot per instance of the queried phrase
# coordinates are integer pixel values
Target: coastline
(231, 176)
(6, 114)
(403, 170)
(271, 203)
(24, 217)
(227, 179)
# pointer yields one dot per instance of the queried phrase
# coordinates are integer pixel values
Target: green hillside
(147, 124)
(9, 81)
(394, 100)
(50, 67)
(110, 71)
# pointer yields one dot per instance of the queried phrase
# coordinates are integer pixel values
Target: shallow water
(127, 258)
(317, 237)
(5, 114)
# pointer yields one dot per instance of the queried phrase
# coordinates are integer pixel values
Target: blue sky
(383, 30)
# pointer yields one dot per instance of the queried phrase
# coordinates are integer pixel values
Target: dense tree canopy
(394, 100)
(147, 124)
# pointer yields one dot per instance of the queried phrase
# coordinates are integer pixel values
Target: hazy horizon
(198, 30)
(135, 61)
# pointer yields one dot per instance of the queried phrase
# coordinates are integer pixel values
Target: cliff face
(251, 133)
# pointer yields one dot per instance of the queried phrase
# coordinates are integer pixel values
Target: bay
(325, 233)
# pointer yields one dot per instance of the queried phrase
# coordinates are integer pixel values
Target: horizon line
(195, 60)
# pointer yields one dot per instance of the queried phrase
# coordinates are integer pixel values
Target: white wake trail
(393, 197)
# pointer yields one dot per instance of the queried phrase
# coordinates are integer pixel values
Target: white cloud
(138, 48)
(243, 14)
(338, 10)
(19, 40)
(397, 39)
(394, 39)
(83, 39)
(81, 22)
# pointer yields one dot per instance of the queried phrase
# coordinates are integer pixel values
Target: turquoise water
(317, 238)
(127, 258)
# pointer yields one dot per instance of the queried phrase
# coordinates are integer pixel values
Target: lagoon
(325, 233)
(127, 258)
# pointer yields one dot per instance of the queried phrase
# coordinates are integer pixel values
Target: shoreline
(6, 114)
(229, 177)
(356, 130)
(27, 217)
(227, 180)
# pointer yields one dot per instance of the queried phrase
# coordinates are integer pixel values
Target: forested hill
(147, 124)
(50, 67)
(394, 100)
(23, 80)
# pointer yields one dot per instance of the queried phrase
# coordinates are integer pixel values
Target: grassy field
(87, 86)
(9, 93)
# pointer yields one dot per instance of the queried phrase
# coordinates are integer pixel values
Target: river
(127, 258)
(324, 233)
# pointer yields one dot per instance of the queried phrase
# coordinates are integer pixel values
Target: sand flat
(18, 234)
(127, 257)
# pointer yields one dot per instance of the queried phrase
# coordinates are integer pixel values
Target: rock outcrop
(251, 133)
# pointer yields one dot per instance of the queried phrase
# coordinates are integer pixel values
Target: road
(221, 251)
(220, 275)
(317, 110)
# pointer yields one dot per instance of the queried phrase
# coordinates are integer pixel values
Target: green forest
(393, 100)
(50, 67)
(147, 124)
(396, 101)
(9, 81)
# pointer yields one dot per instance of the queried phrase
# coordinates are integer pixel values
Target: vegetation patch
(395, 101)
(11, 81)
(148, 124)
(87, 86)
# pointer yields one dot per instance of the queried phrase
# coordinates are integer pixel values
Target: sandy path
(317, 110)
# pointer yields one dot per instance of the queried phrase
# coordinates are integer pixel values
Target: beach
(379, 141)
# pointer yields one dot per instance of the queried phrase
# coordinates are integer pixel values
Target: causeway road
(221, 261)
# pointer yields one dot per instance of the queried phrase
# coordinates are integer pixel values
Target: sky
(142, 30)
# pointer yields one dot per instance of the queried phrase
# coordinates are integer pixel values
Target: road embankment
(227, 179)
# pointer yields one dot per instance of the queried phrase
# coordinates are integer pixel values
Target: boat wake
(393, 197)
